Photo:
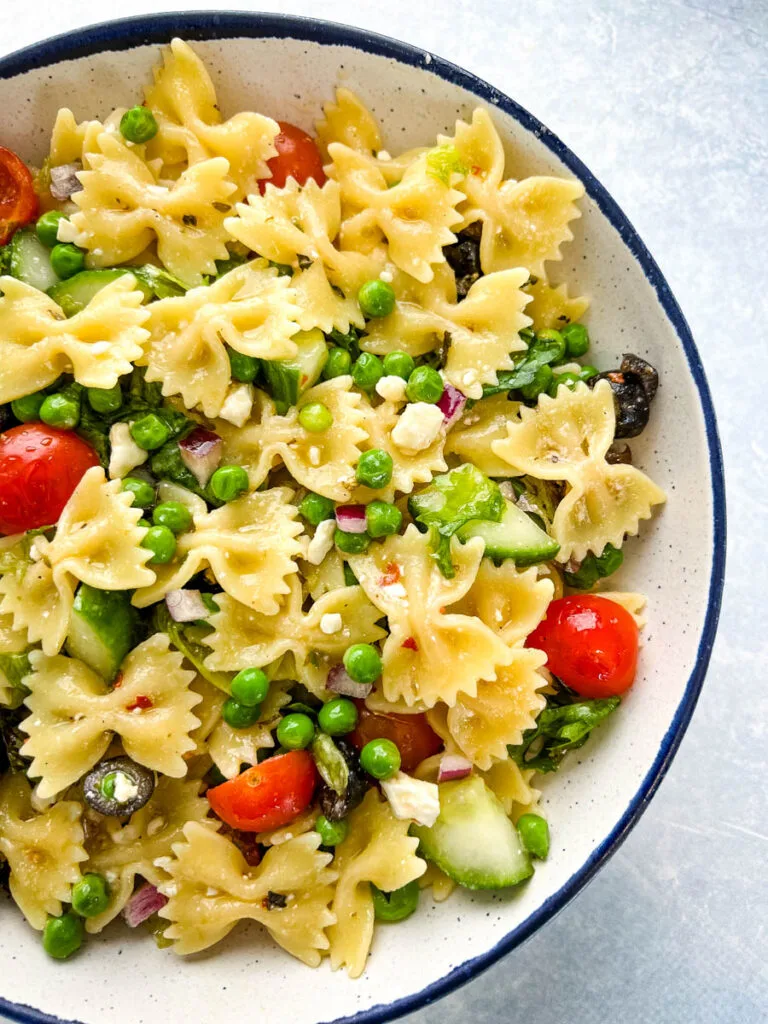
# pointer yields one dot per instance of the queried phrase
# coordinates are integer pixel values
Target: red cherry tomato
(297, 157)
(269, 795)
(18, 200)
(412, 734)
(591, 644)
(39, 469)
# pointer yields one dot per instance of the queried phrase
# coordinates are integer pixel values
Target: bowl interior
(122, 977)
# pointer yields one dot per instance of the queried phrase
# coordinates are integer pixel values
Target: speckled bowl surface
(287, 67)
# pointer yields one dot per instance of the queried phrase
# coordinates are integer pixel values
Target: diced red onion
(185, 605)
(340, 682)
(64, 181)
(452, 766)
(201, 453)
(145, 902)
(351, 518)
(451, 404)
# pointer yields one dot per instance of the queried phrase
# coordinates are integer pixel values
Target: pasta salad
(307, 500)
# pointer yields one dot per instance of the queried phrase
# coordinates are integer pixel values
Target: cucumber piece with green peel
(516, 536)
(30, 260)
(74, 294)
(102, 628)
(473, 841)
(289, 378)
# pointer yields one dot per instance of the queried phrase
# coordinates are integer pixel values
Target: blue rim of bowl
(160, 28)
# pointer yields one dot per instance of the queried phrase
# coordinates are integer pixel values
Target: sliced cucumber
(31, 260)
(102, 627)
(473, 841)
(516, 536)
(76, 292)
(288, 378)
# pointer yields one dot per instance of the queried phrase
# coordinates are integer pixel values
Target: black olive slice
(629, 399)
(336, 807)
(118, 787)
(649, 376)
(463, 258)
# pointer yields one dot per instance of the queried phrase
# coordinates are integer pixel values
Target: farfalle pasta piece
(44, 850)
(324, 463)
(123, 851)
(73, 715)
(70, 140)
(38, 343)
(183, 100)
(524, 222)
(470, 438)
(402, 579)
(250, 545)
(123, 208)
(349, 122)
(552, 307)
(566, 438)
(510, 601)
(97, 541)
(377, 849)
(251, 309)
(512, 785)
(415, 215)
(635, 604)
(213, 888)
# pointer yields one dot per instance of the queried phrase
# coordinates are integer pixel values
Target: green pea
(150, 432)
(161, 542)
(27, 409)
(331, 833)
(316, 508)
(588, 372)
(337, 717)
(67, 260)
(144, 523)
(143, 493)
(541, 381)
(397, 905)
(367, 371)
(363, 663)
(374, 468)
(62, 411)
(534, 834)
(250, 687)
(295, 732)
(338, 363)
(63, 936)
(174, 515)
(228, 483)
(138, 125)
(104, 400)
(47, 227)
(382, 519)
(380, 758)
(399, 364)
(239, 716)
(576, 340)
(425, 385)
(552, 335)
(315, 417)
(351, 543)
(376, 298)
(243, 368)
(90, 896)
(570, 380)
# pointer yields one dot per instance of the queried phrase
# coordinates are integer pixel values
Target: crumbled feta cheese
(418, 426)
(66, 231)
(396, 590)
(387, 276)
(125, 454)
(322, 542)
(237, 405)
(507, 490)
(211, 891)
(391, 388)
(314, 456)
(412, 798)
(383, 154)
(125, 788)
(330, 623)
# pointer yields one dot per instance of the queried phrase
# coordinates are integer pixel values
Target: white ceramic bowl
(286, 67)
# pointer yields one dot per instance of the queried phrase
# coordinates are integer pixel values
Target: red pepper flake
(410, 644)
(118, 681)
(392, 574)
(477, 169)
(141, 703)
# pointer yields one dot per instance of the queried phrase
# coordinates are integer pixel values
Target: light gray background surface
(667, 103)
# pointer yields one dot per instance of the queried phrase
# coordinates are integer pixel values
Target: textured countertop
(667, 102)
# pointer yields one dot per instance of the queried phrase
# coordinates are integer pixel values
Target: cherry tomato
(267, 796)
(591, 644)
(297, 157)
(39, 469)
(18, 201)
(412, 734)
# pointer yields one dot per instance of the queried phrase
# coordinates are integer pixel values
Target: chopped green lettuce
(13, 668)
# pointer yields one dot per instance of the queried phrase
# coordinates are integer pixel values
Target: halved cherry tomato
(297, 157)
(18, 200)
(591, 644)
(412, 734)
(269, 795)
(39, 469)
